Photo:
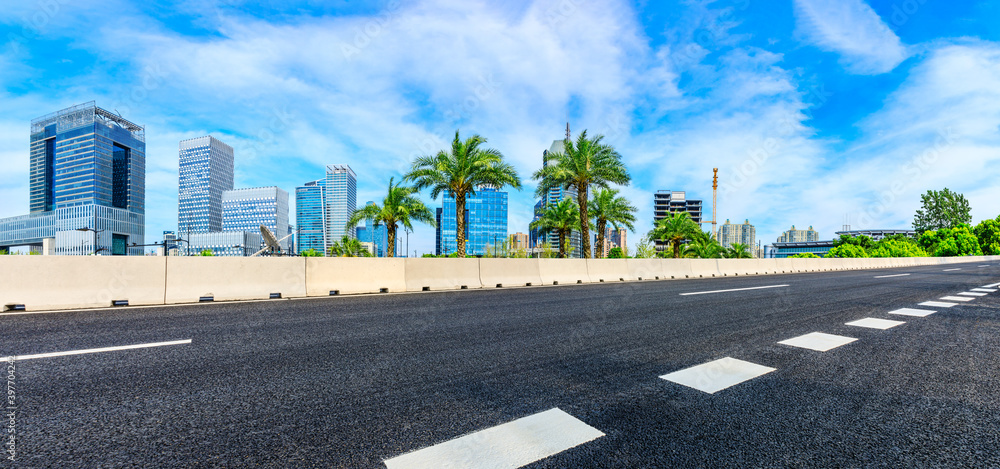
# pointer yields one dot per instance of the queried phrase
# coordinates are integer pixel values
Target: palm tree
(399, 207)
(563, 217)
(348, 247)
(703, 248)
(460, 172)
(737, 251)
(586, 163)
(606, 207)
(676, 228)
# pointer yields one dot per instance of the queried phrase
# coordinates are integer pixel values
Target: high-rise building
(87, 183)
(249, 209)
(518, 241)
(612, 239)
(340, 201)
(375, 234)
(799, 236)
(669, 202)
(485, 226)
(744, 234)
(205, 171)
(552, 197)
(310, 216)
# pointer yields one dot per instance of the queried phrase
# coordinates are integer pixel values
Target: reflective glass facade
(248, 209)
(310, 216)
(377, 235)
(341, 199)
(226, 243)
(486, 222)
(205, 170)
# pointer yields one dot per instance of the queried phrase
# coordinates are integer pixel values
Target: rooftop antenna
(567, 131)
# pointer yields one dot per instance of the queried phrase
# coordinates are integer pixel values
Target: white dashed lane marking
(97, 350)
(972, 293)
(951, 270)
(513, 444)
(984, 290)
(917, 313)
(818, 341)
(957, 298)
(874, 323)
(717, 375)
(890, 276)
(938, 304)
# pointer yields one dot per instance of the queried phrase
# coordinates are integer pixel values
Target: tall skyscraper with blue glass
(310, 216)
(377, 235)
(205, 169)
(249, 209)
(485, 222)
(341, 201)
(87, 173)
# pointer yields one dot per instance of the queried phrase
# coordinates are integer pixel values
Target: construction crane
(715, 192)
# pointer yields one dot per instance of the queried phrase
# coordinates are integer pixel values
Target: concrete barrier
(192, 279)
(66, 282)
(704, 268)
(676, 268)
(608, 270)
(645, 269)
(442, 274)
(563, 271)
(509, 272)
(350, 275)
(735, 267)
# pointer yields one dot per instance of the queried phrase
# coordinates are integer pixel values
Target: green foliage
(897, 246)
(804, 255)
(645, 249)
(847, 251)
(4, 252)
(944, 209)
(861, 241)
(581, 164)
(737, 251)
(348, 247)
(988, 234)
(206, 253)
(616, 253)
(951, 242)
(311, 253)
(676, 228)
(607, 207)
(460, 172)
(703, 248)
(399, 207)
(563, 217)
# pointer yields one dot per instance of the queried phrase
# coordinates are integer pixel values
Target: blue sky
(814, 111)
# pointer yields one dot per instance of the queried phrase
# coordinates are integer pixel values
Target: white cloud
(852, 29)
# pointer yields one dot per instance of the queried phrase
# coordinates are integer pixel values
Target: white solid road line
(918, 313)
(97, 350)
(951, 270)
(818, 341)
(874, 323)
(717, 375)
(890, 276)
(513, 444)
(734, 289)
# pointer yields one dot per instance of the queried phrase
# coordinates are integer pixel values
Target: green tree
(944, 209)
(897, 246)
(348, 247)
(206, 253)
(644, 249)
(804, 255)
(580, 165)
(988, 234)
(847, 251)
(607, 207)
(676, 228)
(737, 251)
(460, 172)
(311, 253)
(863, 241)
(4, 252)
(563, 217)
(616, 253)
(399, 208)
(951, 242)
(703, 247)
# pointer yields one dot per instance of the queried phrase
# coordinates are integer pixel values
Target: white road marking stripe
(938, 304)
(890, 276)
(972, 293)
(734, 289)
(984, 290)
(984, 266)
(951, 270)
(717, 375)
(97, 350)
(513, 444)
(818, 341)
(874, 323)
(918, 313)
(992, 286)
(956, 298)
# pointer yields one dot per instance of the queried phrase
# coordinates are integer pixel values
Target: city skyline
(789, 108)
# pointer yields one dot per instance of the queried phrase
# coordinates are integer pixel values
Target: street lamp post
(86, 229)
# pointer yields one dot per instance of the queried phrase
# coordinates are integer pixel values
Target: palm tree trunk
(562, 244)
(602, 226)
(460, 223)
(677, 249)
(581, 197)
(390, 229)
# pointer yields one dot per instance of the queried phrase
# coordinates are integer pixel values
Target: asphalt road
(353, 381)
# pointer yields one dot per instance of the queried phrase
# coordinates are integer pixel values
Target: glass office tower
(205, 170)
(486, 222)
(341, 196)
(310, 216)
(248, 209)
(552, 197)
(377, 235)
(87, 171)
